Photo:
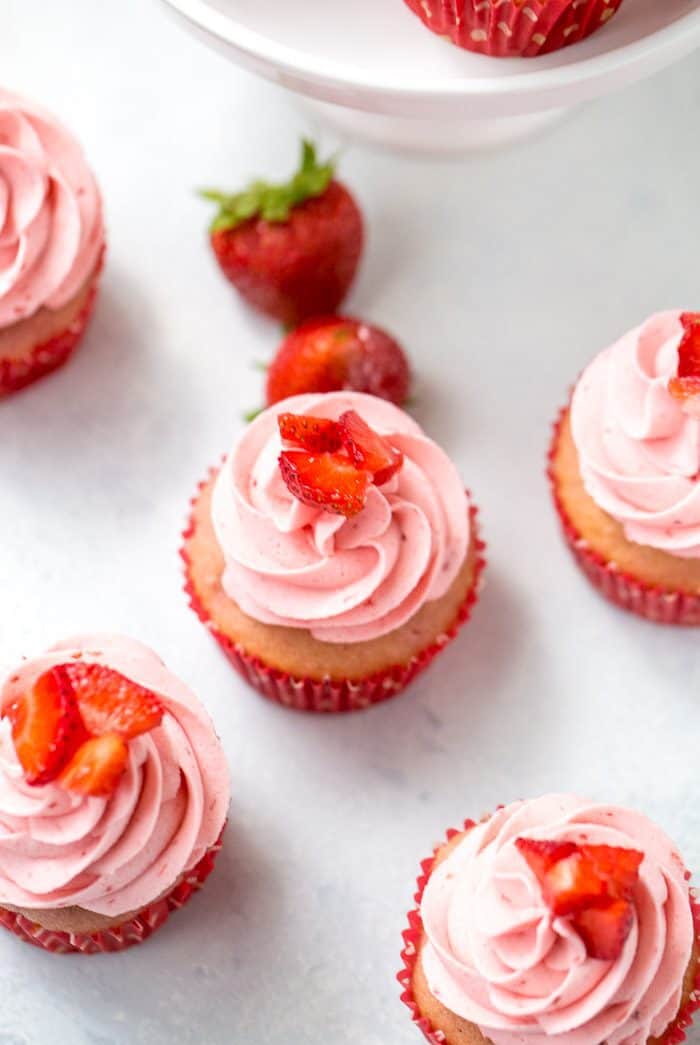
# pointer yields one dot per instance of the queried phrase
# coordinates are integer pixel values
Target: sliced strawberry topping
(315, 434)
(592, 883)
(686, 383)
(328, 481)
(46, 727)
(367, 449)
(97, 766)
(604, 930)
(111, 703)
(568, 880)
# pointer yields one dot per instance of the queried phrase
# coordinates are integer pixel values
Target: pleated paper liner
(674, 1034)
(512, 28)
(120, 937)
(48, 356)
(329, 695)
(654, 603)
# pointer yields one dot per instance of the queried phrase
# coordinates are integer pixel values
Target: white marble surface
(502, 274)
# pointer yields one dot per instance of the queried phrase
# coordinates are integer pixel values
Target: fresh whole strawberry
(46, 727)
(685, 385)
(591, 884)
(291, 250)
(334, 354)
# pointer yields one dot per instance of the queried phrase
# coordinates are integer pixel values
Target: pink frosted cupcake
(335, 553)
(51, 242)
(625, 470)
(556, 921)
(514, 28)
(113, 796)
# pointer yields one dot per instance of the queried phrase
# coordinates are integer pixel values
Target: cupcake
(335, 552)
(113, 796)
(514, 28)
(625, 470)
(51, 243)
(554, 921)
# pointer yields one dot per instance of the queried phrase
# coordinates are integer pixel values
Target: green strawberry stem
(272, 203)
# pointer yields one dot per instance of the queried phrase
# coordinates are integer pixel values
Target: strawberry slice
(367, 449)
(315, 434)
(685, 385)
(328, 481)
(46, 727)
(111, 703)
(618, 868)
(604, 930)
(97, 766)
(569, 881)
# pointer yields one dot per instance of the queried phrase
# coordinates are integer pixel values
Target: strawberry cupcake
(51, 242)
(113, 796)
(558, 921)
(335, 552)
(514, 28)
(625, 470)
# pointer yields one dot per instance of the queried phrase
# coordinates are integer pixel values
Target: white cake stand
(375, 73)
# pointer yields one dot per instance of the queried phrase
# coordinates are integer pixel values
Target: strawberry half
(46, 727)
(315, 434)
(591, 883)
(685, 386)
(111, 703)
(368, 450)
(97, 766)
(336, 354)
(291, 250)
(328, 481)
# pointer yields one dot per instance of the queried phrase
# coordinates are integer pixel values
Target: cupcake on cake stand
(374, 73)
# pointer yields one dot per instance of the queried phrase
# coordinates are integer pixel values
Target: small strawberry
(111, 703)
(46, 727)
(685, 385)
(290, 250)
(328, 481)
(97, 766)
(333, 354)
(604, 930)
(315, 434)
(368, 450)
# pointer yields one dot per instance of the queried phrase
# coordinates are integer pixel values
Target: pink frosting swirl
(51, 231)
(639, 451)
(345, 580)
(496, 956)
(116, 854)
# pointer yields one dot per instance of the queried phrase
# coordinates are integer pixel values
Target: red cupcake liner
(119, 937)
(48, 356)
(652, 602)
(509, 28)
(674, 1034)
(328, 695)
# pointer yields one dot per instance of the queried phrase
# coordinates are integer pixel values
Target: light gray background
(503, 275)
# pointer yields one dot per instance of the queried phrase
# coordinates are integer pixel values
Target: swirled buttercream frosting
(638, 449)
(113, 854)
(496, 955)
(345, 580)
(51, 230)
